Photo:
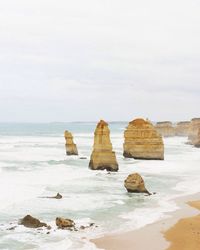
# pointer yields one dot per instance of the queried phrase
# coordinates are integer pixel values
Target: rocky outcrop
(142, 141)
(103, 157)
(31, 222)
(62, 223)
(135, 184)
(182, 128)
(71, 148)
(193, 131)
(166, 128)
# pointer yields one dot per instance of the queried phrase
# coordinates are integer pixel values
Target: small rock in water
(31, 222)
(84, 227)
(58, 196)
(135, 184)
(62, 223)
(83, 158)
(12, 228)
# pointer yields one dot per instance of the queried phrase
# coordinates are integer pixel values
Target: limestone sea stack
(103, 157)
(70, 146)
(135, 184)
(193, 131)
(182, 128)
(142, 141)
(166, 128)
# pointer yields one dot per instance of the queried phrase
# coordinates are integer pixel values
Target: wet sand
(163, 234)
(185, 234)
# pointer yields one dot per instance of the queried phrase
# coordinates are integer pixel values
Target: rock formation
(102, 156)
(197, 141)
(135, 184)
(62, 223)
(142, 141)
(71, 148)
(193, 130)
(182, 128)
(166, 129)
(31, 222)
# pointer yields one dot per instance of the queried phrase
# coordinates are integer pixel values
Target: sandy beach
(185, 234)
(181, 231)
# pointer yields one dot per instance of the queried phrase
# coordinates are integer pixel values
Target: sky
(85, 60)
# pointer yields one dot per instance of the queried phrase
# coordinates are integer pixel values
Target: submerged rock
(58, 196)
(31, 222)
(103, 157)
(166, 128)
(135, 184)
(88, 226)
(142, 141)
(70, 146)
(62, 223)
(182, 128)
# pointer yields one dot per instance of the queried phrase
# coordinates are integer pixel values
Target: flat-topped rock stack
(182, 128)
(166, 128)
(194, 130)
(142, 141)
(103, 157)
(70, 146)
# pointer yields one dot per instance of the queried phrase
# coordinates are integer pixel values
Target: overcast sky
(83, 60)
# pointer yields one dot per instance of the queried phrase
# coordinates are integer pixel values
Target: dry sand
(165, 234)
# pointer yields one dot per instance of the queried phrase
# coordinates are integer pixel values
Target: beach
(181, 231)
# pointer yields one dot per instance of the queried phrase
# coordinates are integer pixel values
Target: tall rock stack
(166, 128)
(193, 130)
(70, 146)
(102, 156)
(182, 128)
(142, 141)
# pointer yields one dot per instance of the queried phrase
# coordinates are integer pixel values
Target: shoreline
(152, 235)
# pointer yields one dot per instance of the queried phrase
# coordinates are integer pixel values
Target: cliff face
(102, 156)
(182, 128)
(142, 141)
(193, 130)
(197, 141)
(166, 129)
(71, 148)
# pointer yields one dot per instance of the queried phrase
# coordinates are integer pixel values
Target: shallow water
(33, 164)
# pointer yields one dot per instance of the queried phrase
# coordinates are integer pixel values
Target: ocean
(33, 163)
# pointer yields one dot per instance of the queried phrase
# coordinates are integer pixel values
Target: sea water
(33, 164)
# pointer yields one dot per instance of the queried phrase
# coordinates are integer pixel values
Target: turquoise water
(33, 164)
